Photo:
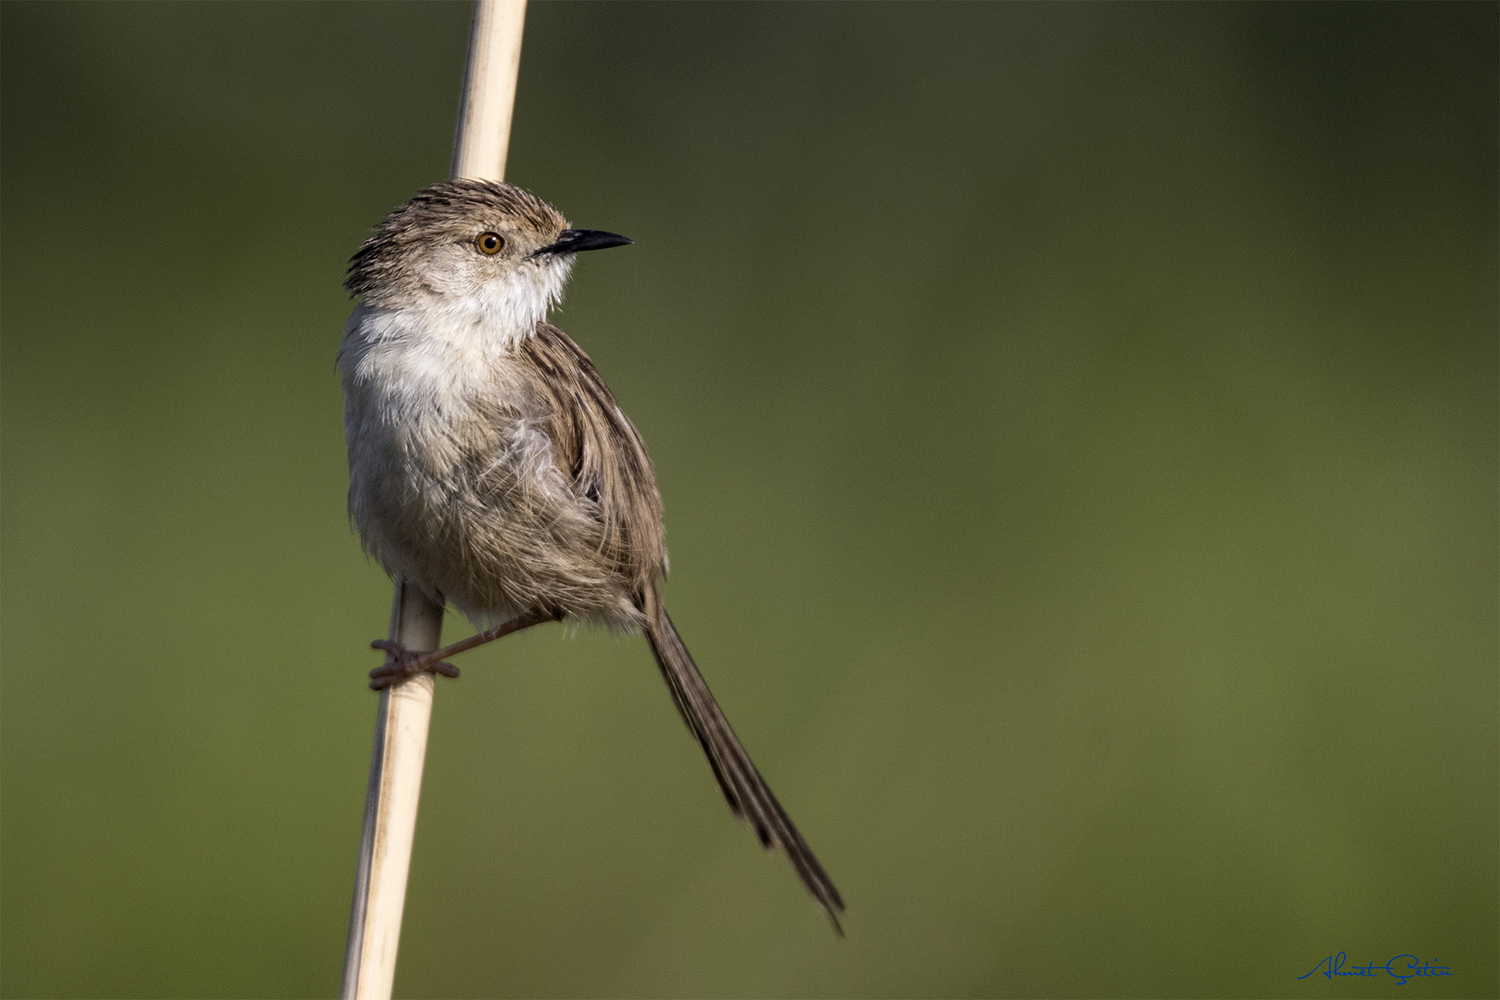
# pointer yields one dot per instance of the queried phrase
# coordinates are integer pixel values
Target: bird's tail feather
(745, 790)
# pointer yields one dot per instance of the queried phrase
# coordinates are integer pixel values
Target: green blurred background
(1078, 432)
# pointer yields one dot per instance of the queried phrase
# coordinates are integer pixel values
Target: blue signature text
(1401, 968)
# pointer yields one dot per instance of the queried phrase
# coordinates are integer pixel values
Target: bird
(492, 468)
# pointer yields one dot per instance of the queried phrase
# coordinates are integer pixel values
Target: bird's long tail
(746, 791)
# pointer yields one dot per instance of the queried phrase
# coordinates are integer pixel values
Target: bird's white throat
(428, 348)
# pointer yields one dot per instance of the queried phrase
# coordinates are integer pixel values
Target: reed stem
(405, 710)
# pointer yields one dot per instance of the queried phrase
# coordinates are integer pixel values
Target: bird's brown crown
(450, 212)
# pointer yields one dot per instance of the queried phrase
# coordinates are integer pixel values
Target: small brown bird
(490, 466)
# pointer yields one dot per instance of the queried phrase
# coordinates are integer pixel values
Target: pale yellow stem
(406, 708)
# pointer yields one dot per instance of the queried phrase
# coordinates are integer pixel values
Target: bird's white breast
(413, 373)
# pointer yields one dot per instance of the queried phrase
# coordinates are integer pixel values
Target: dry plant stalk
(405, 709)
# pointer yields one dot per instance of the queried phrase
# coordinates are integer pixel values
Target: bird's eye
(489, 244)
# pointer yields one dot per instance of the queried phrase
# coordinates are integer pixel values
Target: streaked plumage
(491, 466)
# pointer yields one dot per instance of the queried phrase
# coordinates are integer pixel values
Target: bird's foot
(405, 663)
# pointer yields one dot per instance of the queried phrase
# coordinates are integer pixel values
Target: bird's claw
(404, 663)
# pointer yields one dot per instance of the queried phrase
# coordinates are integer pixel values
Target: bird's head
(472, 246)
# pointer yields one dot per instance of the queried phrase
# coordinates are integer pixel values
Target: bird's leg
(404, 663)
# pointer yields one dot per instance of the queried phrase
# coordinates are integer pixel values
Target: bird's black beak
(579, 240)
